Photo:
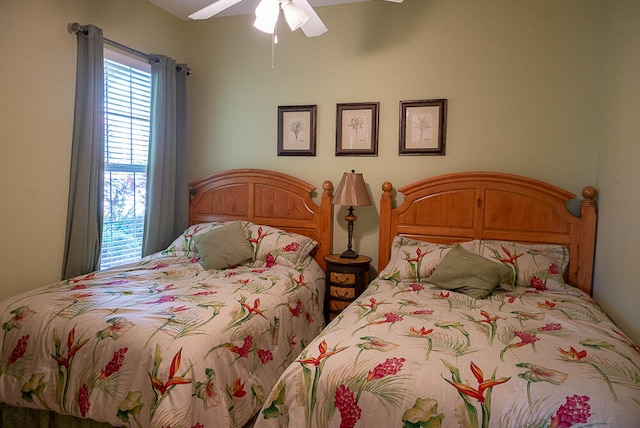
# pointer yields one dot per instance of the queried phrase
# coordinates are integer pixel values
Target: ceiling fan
(298, 14)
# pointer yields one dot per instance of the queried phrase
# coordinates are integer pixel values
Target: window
(127, 95)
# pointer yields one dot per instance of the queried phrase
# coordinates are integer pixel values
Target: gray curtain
(166, 212)
(84, 213)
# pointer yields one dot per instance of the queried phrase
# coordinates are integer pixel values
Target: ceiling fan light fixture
(267, 13)
(295, 16)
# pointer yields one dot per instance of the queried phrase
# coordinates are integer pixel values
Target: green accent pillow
(468, 273)
(223, 247)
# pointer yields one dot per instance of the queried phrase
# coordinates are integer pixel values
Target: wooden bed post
(586, 252)
(384, 238)
(326, 228)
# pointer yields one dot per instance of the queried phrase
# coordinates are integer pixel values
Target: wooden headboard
(265, 197)
(486, 205)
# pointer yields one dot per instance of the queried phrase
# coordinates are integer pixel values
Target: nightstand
(346, 279)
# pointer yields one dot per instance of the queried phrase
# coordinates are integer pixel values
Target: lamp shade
(352, 191)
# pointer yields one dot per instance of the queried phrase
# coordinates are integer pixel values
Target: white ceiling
(183, 8)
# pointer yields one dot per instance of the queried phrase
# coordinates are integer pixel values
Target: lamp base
(349, 254)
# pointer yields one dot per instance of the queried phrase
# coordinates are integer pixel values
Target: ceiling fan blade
(314, 26)
(396, 1)
(212, 9)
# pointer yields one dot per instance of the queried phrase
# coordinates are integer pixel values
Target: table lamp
(351, 192)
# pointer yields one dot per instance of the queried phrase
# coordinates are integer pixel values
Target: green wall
(521, 79)
(544, 88)
(36, 119)
(617, 284)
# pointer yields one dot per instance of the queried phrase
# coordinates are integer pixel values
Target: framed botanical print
(357, 129)
(423, 127)
(297, 130)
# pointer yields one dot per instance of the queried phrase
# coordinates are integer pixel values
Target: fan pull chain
(274, 42)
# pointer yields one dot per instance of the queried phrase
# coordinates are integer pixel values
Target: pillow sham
(273, 245)
(223, 247)
(185, 242)
(554, 284)
(413, 260)
(531, 264)
(468, 273)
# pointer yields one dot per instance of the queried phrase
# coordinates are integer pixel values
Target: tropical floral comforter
(158, 343)
(409, 354)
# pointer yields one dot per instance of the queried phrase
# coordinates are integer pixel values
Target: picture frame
(357, 129)
(297, 130)
(423, 127)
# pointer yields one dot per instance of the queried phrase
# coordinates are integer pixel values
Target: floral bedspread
(158, 343)
(411, 355)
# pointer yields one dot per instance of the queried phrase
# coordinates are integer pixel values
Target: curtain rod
(77, 28)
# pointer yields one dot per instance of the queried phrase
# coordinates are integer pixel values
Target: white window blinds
(127, 118)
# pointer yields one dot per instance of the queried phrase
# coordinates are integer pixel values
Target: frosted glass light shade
(267, 13)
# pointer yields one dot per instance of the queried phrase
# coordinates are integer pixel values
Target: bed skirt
(11, 417)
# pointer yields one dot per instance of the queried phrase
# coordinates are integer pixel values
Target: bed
(164, 341)
(428, 344)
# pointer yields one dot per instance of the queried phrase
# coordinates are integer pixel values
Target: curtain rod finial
(76, 28)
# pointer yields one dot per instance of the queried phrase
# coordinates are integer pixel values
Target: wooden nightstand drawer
(342, 292)
(338, 305)
(342, 278)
